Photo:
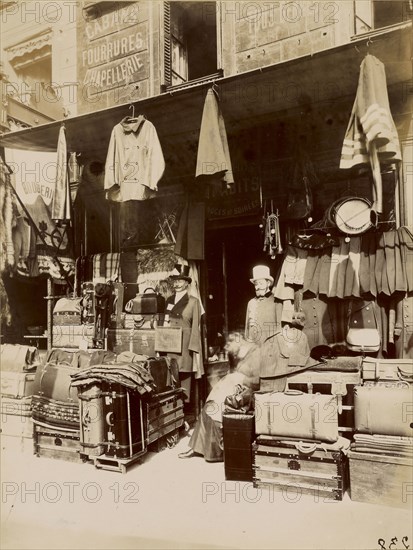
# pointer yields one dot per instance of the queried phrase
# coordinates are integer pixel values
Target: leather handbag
(240, 401)
(362, 331)
(383, 410)
(149, 302)
(296, 414)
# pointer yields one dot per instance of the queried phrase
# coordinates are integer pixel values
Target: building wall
(23, 21)
(256, 34)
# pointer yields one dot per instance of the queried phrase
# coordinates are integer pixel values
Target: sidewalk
(170, 503)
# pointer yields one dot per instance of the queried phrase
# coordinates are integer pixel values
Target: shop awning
(42, 41)
(327, 80)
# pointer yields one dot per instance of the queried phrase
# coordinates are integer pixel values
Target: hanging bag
(362, 328)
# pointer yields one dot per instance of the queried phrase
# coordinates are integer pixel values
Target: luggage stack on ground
(97, 406)
(381, 453)
(298, 449)
(18, 367)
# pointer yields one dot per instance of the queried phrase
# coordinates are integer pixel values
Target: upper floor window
(190, 41)
(376, 14)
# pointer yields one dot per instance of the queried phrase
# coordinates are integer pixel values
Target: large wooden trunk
(165, 414)
(296, 469)
(381, 479)
(123, 421)
(92, 423)
(57, 443)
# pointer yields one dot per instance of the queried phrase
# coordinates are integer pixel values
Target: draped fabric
(50, 249)
(371, 136)
(213, 151)
(373, 263)
(61, 195)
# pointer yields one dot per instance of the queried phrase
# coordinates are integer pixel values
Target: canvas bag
(296, 414)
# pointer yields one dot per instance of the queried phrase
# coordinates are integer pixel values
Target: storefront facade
(286, 77)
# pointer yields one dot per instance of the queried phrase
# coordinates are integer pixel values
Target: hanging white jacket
(134, 162)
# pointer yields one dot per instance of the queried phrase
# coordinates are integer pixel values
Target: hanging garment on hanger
(134, 162)
(371, 135)
(213, 151)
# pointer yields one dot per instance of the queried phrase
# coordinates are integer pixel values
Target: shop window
(380, 13)
(190, 41)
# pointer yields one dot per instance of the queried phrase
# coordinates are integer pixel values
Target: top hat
(180, 272)
(261, 272)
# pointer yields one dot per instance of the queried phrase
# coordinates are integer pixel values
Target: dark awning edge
(44, 137)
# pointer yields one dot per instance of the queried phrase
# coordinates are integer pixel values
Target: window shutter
(167, 44)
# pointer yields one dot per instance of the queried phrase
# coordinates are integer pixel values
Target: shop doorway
(231, 254)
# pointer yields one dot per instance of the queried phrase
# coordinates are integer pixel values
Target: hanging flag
(33, 178)
(61, 196)
(213, 152)
(371, 136)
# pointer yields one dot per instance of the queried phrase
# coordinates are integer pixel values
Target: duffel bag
(296, 414)
(383, 410)
(53, 379)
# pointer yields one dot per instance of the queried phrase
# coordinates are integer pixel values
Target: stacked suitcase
(55, 406)
(18, 366)
(117, 424)
(298, 448)
(381, 455)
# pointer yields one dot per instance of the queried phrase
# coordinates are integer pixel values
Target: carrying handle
(404, 376)
(149, 288)
(305, 448)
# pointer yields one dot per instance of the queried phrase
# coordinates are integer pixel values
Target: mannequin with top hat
(183, 310)
(263, 312)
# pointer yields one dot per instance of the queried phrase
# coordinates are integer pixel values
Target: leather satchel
(149, 302)
(360, 337)
(296, 414)
(383, 410)
(240, 401)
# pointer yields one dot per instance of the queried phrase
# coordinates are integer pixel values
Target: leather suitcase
(296, 414)
(57, 413)
(147, 303)
(239, 435)
(123, 421)
(384, 410)
(387, 369)
(164, 414)
(92, 423)
(164, 371)
(141, 342)
(296, 469)
(53, 377)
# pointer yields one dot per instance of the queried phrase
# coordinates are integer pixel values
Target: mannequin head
(180, 284)
(262, 286)
(262, 280)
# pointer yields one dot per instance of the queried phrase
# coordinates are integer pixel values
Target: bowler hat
(261, 272)
(180, 272)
